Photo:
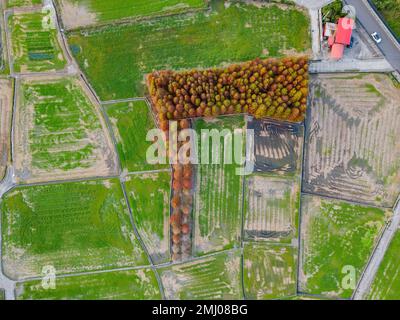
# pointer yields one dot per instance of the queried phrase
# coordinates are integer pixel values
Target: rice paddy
(138, 284)
(217, 217)
(337, 241)
(83, 13)
(149, 198)
(233, 32)
(73, 227)
(60, 131)
(131, 121)
(269, 271)
(35, 47)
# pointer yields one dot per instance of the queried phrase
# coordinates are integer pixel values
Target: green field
(73, 227)
(102, 11)
(22, 3)
(131, 121)
(269, 271)
(2, 294)
(386, 285)
(336, 235)
(390, 10)
(271, 207)
(212, 278)
(121, 285)
(218, 198)
(115, 58)
(149, 197)
(34, 48)
(60, 132)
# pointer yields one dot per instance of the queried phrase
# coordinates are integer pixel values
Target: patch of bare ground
(352, 138)
(271, 210)
(278, 146)
(75, 15)
(6, 103)
(101, 163)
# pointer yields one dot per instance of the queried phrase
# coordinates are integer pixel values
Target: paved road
(371, 22)
(313, 4)
(350, 65)
(377, 256)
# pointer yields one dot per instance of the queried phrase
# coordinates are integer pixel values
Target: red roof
(344, 31)
(337, 51)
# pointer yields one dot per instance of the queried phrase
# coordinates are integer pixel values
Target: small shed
(337, 51)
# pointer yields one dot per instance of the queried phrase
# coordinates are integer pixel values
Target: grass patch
(269, 271)
(149, 196)
(121, 285)
(131, 121)
(386, 285)
(336, 234)
(22, 3)
(218, 198)
(271, 207)
(390, 10)
(74, 227)
(212, 278)
(106, 11)
(34, 48)
(372, 89)
(236, 33)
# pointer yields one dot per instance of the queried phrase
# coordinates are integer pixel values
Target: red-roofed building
(337, 51)
(344, 31)
(341, 38)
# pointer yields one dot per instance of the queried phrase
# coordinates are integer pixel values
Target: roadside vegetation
(390, 9)
(333, 11)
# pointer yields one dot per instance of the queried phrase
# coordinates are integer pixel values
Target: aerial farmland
(194, 150)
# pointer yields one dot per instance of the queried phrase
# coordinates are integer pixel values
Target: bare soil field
(59, 129)
(278, 146)
(353, 150)
(271, 208)
(6, 103)
(217, 277)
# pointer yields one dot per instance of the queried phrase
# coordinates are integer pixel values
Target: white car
(377, 38)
